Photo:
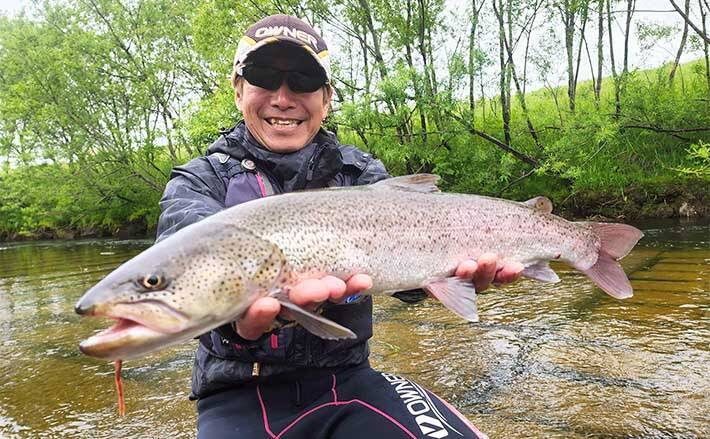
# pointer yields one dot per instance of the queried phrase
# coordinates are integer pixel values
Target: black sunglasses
(271, 78)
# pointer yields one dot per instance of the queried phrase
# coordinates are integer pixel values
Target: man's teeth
(283, 122)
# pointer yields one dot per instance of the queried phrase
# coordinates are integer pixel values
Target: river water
(546, 361)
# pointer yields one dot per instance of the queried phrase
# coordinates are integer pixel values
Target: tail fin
(617, 240)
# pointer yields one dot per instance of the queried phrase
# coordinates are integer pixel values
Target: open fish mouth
(125, 335)
(134, 332)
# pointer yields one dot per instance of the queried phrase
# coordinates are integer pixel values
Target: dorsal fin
(542, 204)
(414, 182)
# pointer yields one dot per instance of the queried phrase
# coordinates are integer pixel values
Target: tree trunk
(617, 91)
(518, 88)
(471, 55)
(568, 16)
(504, 102)
(525, 59)
(706, 49)
(682, 45)
(508, 72)
(415, 82)
(600, 53)
(425, 51)
(403, 133)
(630, 4)
(585, 17)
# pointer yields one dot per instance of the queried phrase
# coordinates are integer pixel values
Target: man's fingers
(309, 291)
(357, 284)
(467, 269)
(485, 272)
(336, 287)
(258, 317)
(509, 273)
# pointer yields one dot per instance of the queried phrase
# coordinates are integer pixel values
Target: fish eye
(152, 281)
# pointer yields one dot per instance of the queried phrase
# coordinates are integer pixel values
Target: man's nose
(283, 97)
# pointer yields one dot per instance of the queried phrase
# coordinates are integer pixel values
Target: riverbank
(137, 229)
(682, 199)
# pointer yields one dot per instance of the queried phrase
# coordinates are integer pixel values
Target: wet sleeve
(373, 172)
(194, 192)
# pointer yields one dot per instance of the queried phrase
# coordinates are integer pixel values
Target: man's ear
(238, 99)
(327, 100)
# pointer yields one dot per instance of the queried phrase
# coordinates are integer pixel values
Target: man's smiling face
(282, 120)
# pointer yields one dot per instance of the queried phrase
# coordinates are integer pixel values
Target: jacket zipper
(312, 162)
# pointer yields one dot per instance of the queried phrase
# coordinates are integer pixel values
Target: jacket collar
(310, 167)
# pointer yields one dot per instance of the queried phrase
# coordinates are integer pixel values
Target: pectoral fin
(456, 294)
(318, 325)
(541, 271)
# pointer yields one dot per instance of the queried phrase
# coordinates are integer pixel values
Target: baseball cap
(281, 28)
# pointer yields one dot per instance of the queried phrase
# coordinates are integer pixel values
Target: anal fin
(541, 271)
(456, 294)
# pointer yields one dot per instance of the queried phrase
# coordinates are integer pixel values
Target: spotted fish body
(402, 232)
(404, 238)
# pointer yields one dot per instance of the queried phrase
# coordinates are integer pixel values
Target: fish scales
(404, 238)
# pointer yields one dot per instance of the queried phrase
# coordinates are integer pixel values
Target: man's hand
(310, 292)
(306, 294)
(485, 271)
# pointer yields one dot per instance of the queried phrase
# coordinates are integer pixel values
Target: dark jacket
(237, 169)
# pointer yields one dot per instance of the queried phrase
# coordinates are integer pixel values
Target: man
(250, 380)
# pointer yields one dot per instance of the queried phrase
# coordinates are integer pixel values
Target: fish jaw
(141, 327)
(125, 340)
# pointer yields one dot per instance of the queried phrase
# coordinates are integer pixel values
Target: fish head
(181, 287)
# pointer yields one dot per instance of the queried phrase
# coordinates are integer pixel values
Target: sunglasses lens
(271, 79)
(264, 77)
(304, 83)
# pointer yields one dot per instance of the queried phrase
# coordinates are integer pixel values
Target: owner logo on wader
(419, 404)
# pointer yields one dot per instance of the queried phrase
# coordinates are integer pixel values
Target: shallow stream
(547, 361)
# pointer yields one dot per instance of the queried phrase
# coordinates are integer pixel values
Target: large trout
(401, 231)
